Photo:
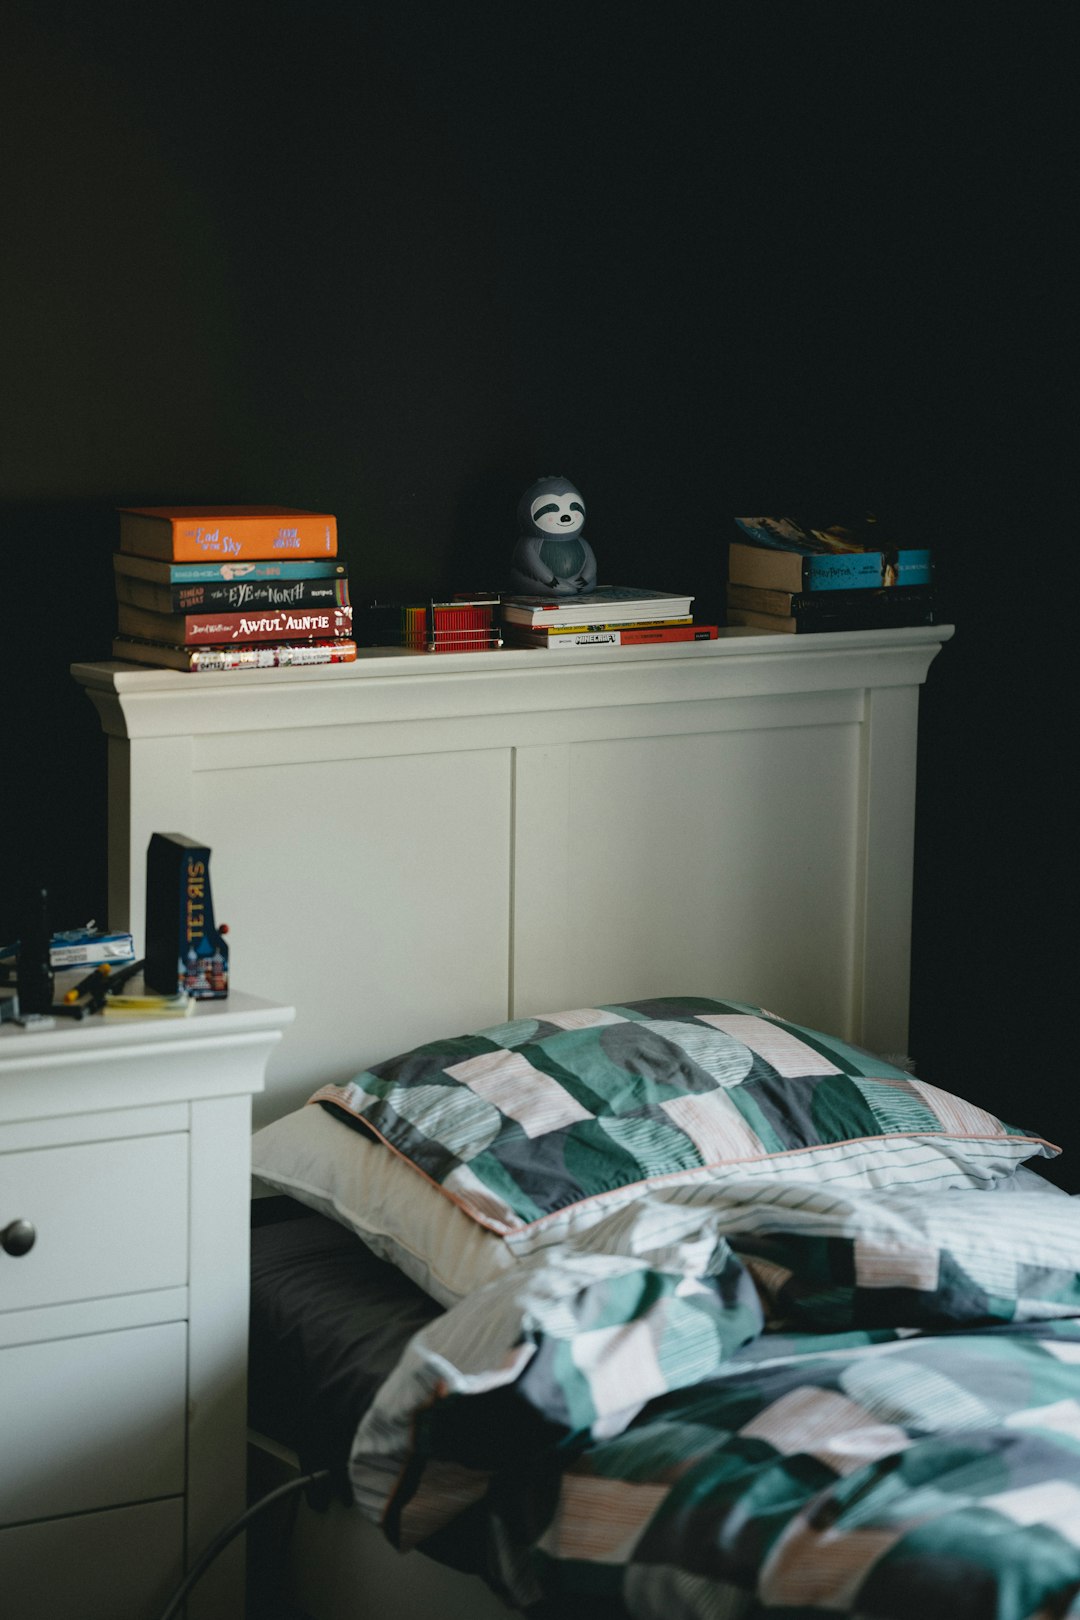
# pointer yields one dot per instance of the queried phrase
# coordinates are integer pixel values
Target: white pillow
(397, 1212)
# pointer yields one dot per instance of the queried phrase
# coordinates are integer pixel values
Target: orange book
(195, 533)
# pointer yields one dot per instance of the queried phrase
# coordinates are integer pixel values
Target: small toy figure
(552, 556)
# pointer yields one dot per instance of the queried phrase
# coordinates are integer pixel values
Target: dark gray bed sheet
(329, 1321)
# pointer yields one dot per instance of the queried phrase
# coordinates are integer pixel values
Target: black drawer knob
(17, 1238)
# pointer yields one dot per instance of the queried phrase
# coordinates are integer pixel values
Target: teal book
(162, 572)
(789, 555)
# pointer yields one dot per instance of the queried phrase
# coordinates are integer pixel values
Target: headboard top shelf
(400, 683)
(375, 663)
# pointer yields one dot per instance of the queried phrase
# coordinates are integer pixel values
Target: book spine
(203, 573)
(569, 615)
(210, 660)
(544, 624)
(623, 637)
(762, 599)
(862, 570)
(590, 629)
(270, 657)
(211, 629)
(232, 596)
(825, 624)
(192, 539)
(775, 569)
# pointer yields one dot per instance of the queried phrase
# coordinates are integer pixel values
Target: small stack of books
(232, 587)
(609, 616)
(797, 578)
(463, 624)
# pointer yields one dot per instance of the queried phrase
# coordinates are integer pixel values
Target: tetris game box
(185, 950)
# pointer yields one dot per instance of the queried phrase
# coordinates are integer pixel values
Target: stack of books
(232, 587)
(797, 578)
(609, 616)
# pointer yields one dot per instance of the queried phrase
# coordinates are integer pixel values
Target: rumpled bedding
(755, 1398)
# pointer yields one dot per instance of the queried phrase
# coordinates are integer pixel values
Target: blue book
(782, 554)
(198, 573)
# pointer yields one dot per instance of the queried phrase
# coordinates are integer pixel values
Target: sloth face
(558, 514)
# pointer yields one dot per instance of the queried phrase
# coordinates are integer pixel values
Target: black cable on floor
(218, 1545)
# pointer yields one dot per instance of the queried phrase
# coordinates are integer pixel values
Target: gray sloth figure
(552, 556)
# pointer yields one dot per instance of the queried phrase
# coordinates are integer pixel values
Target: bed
(811, 1361)
(691, 1299)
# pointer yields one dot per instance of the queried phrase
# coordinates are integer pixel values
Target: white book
(608, 604)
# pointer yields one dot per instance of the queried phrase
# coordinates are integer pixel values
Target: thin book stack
(609, 616)
(231, 587)
(799, 578)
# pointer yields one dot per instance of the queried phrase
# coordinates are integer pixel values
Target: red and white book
(220, 629)
(249, 655)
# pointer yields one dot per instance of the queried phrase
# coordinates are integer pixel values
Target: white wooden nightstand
(125, 1146)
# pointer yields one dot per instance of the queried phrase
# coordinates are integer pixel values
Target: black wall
(396, 260)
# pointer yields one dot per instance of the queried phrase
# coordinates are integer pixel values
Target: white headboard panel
(417, 844)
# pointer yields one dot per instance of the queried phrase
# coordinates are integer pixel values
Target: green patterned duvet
(763, 1345)
(864, 1403)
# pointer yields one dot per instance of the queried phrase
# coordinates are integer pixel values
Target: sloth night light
(552, 556)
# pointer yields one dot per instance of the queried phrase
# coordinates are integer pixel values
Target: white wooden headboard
(416, 845)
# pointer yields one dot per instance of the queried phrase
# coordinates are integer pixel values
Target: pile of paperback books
(800, 577)
(232, 587)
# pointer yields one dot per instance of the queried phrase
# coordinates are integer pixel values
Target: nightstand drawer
(92, 1423)
(119, 1565)
(110, 1218)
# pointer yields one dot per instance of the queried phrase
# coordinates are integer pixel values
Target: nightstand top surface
(238, 1014)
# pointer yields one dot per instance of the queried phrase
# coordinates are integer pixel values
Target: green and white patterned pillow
(534, 1131)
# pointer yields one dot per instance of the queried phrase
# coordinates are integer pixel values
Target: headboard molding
(415, 844)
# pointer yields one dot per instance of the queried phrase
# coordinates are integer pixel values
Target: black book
(892, 604)
(887, 610)
(231, 596)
